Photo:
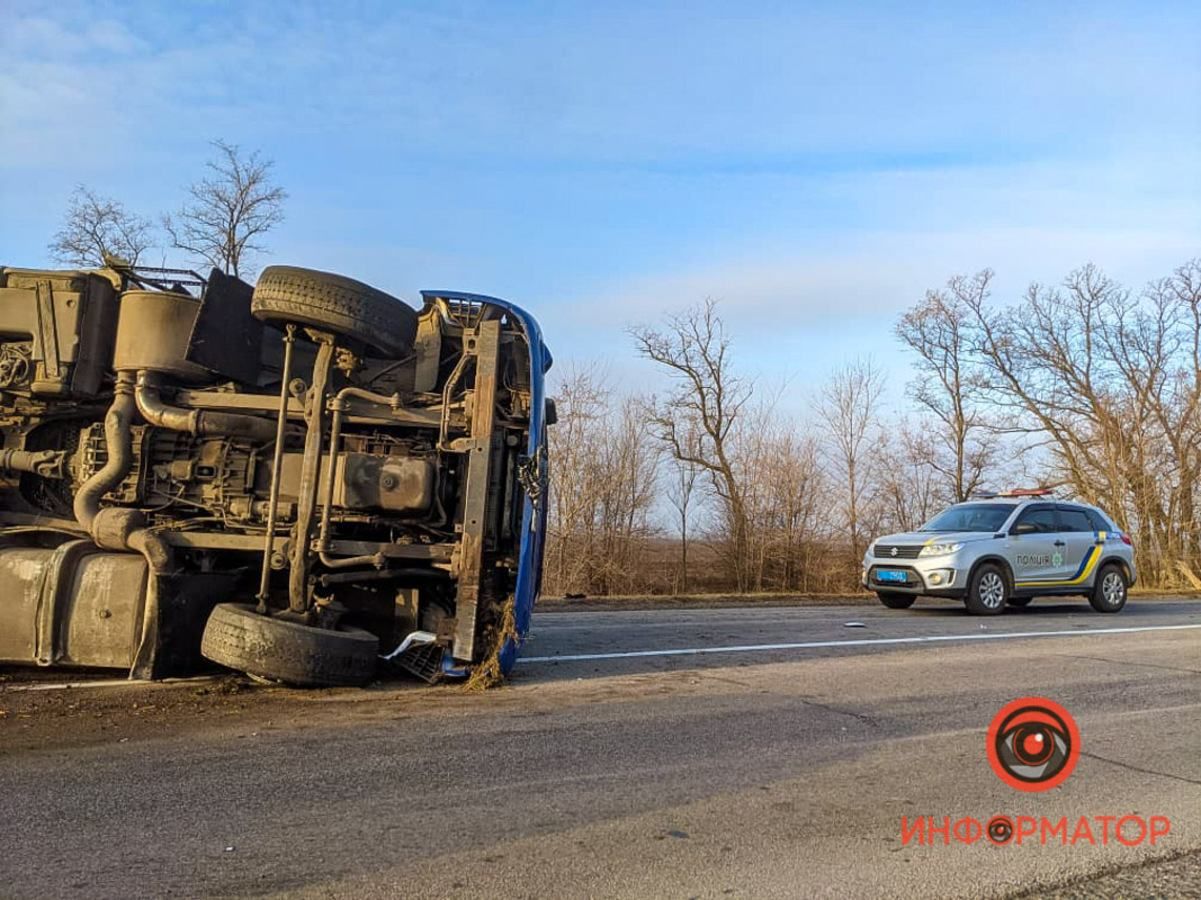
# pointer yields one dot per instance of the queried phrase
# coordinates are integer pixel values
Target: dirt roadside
(54, 713)
(104, 713)
(45, 715)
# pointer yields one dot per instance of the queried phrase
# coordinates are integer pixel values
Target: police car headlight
(940, 549)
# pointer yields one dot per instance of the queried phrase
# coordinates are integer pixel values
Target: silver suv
(1005, 549)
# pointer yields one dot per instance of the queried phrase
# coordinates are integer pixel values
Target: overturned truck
(298, 480)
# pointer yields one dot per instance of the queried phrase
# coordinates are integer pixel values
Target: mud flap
(177, 608)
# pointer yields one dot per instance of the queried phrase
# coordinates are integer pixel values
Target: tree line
(1086, 386)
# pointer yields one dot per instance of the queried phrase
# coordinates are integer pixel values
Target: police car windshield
(970, 517)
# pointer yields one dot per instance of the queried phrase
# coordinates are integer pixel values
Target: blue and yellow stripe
(1083, 574)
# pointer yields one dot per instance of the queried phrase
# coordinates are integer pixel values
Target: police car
(1005, 549)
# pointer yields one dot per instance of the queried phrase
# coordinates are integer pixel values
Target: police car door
(1032, 545)
(1081, 548)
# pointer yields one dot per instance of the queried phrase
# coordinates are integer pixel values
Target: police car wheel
(988, 591)
(1109, 591)
(896, 601)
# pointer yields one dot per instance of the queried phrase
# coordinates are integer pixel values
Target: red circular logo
(1033, 744)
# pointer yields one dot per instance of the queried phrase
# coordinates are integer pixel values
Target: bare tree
(910, 481)
(628, 461)
(850, 405)
(1108, 382)
(695, 350)
(581, 400)
(229, 211)
(947, 387)
(603, 485)
(95, 227)
(680, 492)
(780, 468)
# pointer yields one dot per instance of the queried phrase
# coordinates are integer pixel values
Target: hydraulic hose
(200, 422)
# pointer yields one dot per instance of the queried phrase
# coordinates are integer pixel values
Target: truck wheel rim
(992, 590)
(1113, 588)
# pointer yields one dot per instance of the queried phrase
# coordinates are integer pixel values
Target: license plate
(892, 575)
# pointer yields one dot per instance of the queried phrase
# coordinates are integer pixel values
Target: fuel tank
(74, 604)
(71, 605)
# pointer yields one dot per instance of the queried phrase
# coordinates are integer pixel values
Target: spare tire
(338, 304)
(239, 637)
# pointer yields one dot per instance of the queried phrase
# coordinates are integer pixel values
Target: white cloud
(874, 274)
(1135, 215)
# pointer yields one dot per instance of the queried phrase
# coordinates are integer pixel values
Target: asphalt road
(621, 762)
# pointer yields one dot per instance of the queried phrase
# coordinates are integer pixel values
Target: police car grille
(885, 551)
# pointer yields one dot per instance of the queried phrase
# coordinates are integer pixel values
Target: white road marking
(862, 642)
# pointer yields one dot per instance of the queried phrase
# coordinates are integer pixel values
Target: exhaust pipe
(200, 422)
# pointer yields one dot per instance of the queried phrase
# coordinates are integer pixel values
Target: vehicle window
(1098, 521)
(1074, 520)
(1041, 517)
(970, 517)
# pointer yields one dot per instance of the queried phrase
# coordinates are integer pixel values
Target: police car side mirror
(1022, 528)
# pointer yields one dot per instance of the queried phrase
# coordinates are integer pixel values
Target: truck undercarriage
(291, 480)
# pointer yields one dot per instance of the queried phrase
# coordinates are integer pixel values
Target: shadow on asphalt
(1060, 608)
(1034, 609)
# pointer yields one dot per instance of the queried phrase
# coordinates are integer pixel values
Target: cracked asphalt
(783, 768)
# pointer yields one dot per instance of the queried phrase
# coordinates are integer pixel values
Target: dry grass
(488, 673)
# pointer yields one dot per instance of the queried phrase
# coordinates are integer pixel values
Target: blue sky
(815, 166)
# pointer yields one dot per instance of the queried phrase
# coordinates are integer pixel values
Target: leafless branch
(229, 211)
(96, 226)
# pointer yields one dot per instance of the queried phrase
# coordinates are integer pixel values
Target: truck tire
(240, 638)
(896, 600)
(338, 304)
(987, 591)
(1109, 590)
